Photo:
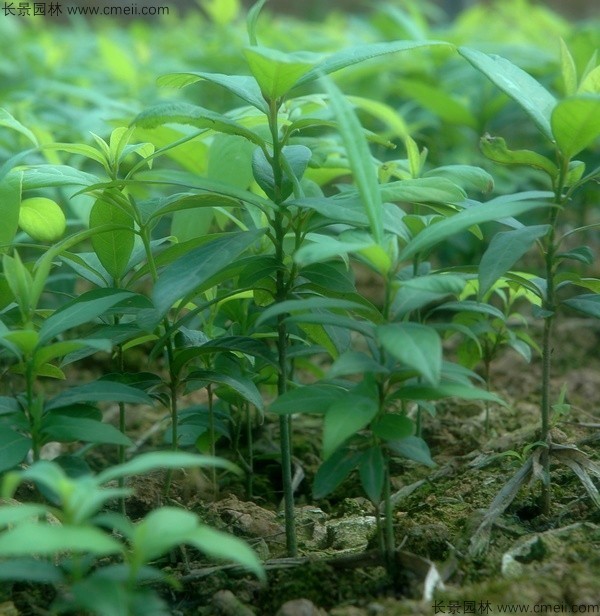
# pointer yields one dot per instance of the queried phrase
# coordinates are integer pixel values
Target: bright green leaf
(576, 123)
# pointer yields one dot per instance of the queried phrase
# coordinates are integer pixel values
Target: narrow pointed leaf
(361, 160)
(99, 391)
(526, 91)
(147, 462)
(44, 539)
(197, 266)
(193, 115)
(360, 53)
(504, 250)
(241, 85)
(83, 309)
(475, 215)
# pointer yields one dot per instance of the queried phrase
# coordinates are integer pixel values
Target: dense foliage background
(279, 287)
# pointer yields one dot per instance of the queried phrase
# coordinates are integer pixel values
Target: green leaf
(13, 448)
(252, 20)
(308, 304)
(30, 570)
(417, 292)
(78, 148)
(417, 346)
(527, 92)
(46, 176)
(423, 190)
(296, 156)
(196, 267)
(466, 176)
(334, 470)
(413, 448)
(160, 531)
(372, 473)
(243, 86)
(83, 309)
(475, 215)
(568, 69)
(222, 546)
(391, 427)
(99, 391)
(360, 53)
(359, 156)
(324, 247)
(10, 198)
(226, 344)
(184, 113)
(277, 72)
(354, 362)
(495, 149)
(47, 540)
(307, 399)
(65, 429)
(503, 251)
(345, 418)
(445, 390)
(147, 462)
(434, 98)
(8, 121)
(15, 514)
(113, 248)
(8, 405)
(588, 304)
(243, 386)
(576, 123)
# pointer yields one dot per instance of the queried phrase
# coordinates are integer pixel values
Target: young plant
(569, 126)
(97, 560)
(282, 219)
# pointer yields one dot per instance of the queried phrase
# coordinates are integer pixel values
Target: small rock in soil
(300, 607)
(351, 534)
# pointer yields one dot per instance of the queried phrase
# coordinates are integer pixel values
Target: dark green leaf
(391, 427)
(99, 391)
(193, 269)
(588, 304)
(82, 309)
(334, 470)
(13, 448)
(475, 215)
(372, 473)
(65, 429)
(243, 386)
(416, 345)
(504, 250)
(344, 418)
(307, 399)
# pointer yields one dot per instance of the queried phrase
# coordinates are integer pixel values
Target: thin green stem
(212, 438)
(281, 292)
(550, 307)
